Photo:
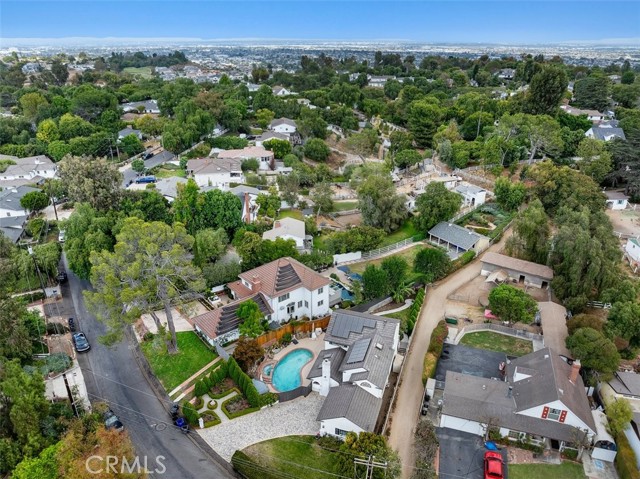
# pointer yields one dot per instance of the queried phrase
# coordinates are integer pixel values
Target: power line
(302, 466)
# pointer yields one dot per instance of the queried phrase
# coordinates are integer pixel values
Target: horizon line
(594, 42)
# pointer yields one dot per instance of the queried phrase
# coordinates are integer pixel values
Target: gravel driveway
(297, 417)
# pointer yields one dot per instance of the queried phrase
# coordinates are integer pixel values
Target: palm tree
(401, 292)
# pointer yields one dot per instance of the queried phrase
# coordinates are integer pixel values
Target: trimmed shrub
(210, 418)
(625, 459)
(190, 413)
(198, 403)
(438, 336)
(218, 375)
(429, 367)
(201, 387)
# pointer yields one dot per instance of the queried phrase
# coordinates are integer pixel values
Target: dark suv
(72, 325)
(111, 421)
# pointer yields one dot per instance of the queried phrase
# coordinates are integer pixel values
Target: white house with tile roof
(353, 371)
(291, 289)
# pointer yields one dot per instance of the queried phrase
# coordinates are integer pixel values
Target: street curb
(161, 395)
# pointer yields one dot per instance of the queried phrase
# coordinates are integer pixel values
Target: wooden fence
(306, 327)
(295, 393)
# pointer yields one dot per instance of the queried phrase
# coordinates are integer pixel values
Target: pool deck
(314, 345)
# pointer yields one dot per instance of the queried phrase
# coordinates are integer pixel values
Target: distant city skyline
(515, 22)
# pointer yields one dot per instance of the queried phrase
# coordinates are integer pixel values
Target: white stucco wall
(220, 180)
(284, 128)
(301, 294)
(328, 426)
(571, 419)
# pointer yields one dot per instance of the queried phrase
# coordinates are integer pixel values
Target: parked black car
(111, 421)
(62, 277)
(72, 325)
(80, 342)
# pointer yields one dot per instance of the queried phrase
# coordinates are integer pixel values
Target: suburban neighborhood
(336, 260)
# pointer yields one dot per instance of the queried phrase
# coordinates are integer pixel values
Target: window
(554, 414)
(299, 304)
(320, 290)
(320, 303)
(341, 432)
(282, 298)
(306, 304)
(291, 307)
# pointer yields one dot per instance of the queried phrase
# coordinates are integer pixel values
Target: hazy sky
(514, 21)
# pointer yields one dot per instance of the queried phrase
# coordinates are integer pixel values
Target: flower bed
(223, 389)
(237, 406)
(210, 418)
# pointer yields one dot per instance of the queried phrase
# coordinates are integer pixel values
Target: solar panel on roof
(358, 351)
(286, 277)
(344, 325)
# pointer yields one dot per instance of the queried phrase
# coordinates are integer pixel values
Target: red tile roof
(284, 275)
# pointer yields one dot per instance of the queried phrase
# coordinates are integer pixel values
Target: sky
(452, 21)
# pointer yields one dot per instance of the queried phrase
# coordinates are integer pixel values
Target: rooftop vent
(378, 346)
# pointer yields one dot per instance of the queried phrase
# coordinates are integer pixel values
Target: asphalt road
(113, 376)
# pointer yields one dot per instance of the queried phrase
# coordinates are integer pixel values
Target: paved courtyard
(297, 417)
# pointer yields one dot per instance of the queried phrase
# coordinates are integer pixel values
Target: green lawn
(173, 369)
(566, 470)
(345, 205)
(409, 254)
(144, 72)
(296, 214)
(500, 343)
(297, 456)
(407, 230)
(161, 172)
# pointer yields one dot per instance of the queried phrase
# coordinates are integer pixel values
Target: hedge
(214, 422)
(224, 393)
(244, 381)
(626, 459)
(430, 362)
(218, 374)
(414, 311)
(239, 413)
(429, 367)
(190, 413)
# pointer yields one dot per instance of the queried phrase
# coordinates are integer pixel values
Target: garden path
(218, 409)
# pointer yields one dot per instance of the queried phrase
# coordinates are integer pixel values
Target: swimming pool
(267, 370)
(286, 374)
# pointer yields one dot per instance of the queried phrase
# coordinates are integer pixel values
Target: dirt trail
(405, 415)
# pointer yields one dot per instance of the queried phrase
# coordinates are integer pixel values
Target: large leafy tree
(619, 415)
(432, 264)
(375, 282)
(531, 233)
(94, 181)
(280, 148)
(396, 268)
(585, 256)
(150, 268)
(250, 319)
(424, 116)
(209, 245)
(322, 197)
(595, 160)
(34, 201)
(546, 90)
(624, 322)
(594, 351)
(512, 304)
(381, 207)
(592, 92)
(406, 158)
(247, 352)
(316, 150)
(366, 445)
(436, 204)
(509, 195)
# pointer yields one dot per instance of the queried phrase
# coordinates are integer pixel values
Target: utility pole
(370, 464)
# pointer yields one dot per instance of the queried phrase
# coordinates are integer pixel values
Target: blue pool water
(267, 369)
(286, 375)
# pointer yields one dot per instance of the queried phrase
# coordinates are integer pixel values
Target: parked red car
(493, 465)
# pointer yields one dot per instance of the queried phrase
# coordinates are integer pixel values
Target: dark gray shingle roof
(346, 327)
(336, 355)
(604, 133)
(627, 383)
(352, 403)
(455, 235)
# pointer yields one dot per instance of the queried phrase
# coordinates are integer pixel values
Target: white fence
(376, 252)
(347, 257)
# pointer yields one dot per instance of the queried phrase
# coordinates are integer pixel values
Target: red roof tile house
(284, 289)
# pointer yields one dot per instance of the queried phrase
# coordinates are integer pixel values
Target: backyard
(290, 456)
(295, 214)
(174, 369)
(408, 254)
(168, 170)
(144, 72)
(488, 220)
(566, 470)
(345, 205)
(407, 230)
(497, 342)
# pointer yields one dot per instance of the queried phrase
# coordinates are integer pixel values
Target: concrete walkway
(218, 410)
(409, 395)
(407, 304)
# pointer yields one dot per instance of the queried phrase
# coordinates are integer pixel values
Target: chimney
(575, 370)
(325, 382)
(256, 284)
(247, 208)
